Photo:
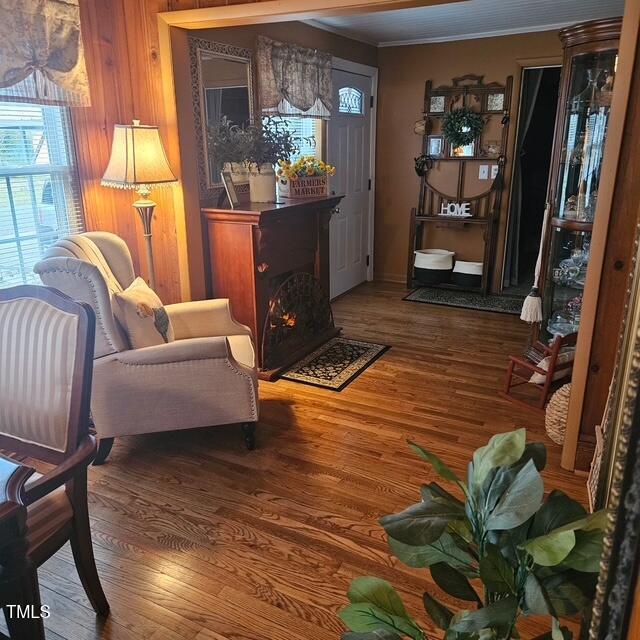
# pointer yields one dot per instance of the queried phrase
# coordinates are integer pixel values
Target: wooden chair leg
(249, 433)
(544, 393)
(507, 383)
(24, 612)
(82, 549)
(19, 589)
(104, 449)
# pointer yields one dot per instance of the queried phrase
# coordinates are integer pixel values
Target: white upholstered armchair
(205, 377)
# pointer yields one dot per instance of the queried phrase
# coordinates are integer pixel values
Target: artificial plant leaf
(550, 549)
(593, 522)
(500, 614)
(564, 596)
(508, 541)
(597, 521)
(378, 592)
(502, 450)
(420, 524)
(433, 491)
(585, 555)
(558, 510)
(440, 615)
(461, 531)
(378, 634)
(556, 630)
(537, 452)
(565, 633)
(534, 597)
(496, 573)
(365, 617)
(450, 634)
(442, 550)
(494, 486)
(438, 465)
(520, 500)
(453, 582)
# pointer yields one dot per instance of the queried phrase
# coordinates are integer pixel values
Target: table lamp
(138, 161)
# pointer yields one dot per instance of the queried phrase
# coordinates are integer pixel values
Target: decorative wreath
(461, 126)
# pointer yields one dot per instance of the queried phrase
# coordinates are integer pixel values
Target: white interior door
(348, 149)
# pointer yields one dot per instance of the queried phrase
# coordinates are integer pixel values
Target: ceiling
(466, 20)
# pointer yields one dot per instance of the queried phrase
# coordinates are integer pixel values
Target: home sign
(456, 209)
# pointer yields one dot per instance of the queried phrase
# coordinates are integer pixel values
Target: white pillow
(142, 316)
(565, 355)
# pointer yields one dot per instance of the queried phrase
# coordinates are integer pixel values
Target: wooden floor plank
(198, 539)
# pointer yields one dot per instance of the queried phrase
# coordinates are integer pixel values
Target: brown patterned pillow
(143, 317)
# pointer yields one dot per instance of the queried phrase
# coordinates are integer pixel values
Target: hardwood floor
(198, 539)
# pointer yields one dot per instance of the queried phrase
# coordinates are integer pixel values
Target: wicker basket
(555, 420)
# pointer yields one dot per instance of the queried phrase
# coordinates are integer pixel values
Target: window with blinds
(308, 134)
(39, 191)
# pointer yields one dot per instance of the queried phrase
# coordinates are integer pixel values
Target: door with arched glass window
(348, 149)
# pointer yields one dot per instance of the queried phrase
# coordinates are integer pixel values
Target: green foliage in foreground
(529, 555)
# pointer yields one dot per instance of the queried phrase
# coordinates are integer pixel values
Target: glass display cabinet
(588, 74)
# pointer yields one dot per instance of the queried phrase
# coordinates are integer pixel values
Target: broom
(532, 305)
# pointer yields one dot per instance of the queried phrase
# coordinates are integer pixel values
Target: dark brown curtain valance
(41, 55)
(294, 80)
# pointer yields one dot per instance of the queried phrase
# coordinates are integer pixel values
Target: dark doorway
(538, 105)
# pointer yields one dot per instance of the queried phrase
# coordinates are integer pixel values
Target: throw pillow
(142, 316)
(566, 355)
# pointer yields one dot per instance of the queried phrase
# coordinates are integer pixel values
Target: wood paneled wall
(121, 48)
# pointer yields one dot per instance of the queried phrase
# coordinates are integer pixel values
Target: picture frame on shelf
(495, 102)
(491, 149)
(464, 151)
(230, 189)
(435, 146)
(437, 104)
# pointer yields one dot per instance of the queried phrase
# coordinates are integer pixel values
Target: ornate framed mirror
(222, 85)
(615, 480)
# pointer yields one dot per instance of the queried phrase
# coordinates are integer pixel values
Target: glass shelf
(568, 260)
(585, 121)
(585, 127)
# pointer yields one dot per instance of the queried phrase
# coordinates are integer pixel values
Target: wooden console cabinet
(249, 252)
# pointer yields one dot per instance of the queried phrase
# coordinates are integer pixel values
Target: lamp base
(145, 208)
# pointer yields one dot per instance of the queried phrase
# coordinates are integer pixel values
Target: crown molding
(347, 33)
(476, 36)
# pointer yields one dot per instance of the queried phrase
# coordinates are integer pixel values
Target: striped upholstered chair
(46, 351)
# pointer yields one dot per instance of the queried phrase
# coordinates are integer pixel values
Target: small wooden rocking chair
(521, 369)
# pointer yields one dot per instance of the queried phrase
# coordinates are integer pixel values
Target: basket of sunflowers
(307, 177)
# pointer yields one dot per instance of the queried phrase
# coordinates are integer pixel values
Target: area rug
(467, 299)
(335, 364)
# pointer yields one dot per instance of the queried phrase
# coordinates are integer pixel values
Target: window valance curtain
(294, 80)
(41, 55)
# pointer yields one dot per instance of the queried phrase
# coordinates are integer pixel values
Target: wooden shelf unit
(469, 91)
(572, 225)
(448, 220)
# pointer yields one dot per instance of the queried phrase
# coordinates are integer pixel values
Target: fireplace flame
(289, 319)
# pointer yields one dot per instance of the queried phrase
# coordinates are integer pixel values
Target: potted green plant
(226, 149)
(498, 544)
(264, 144)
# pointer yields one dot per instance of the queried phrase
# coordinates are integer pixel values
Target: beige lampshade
(137, 158)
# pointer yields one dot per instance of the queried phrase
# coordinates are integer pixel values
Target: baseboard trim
(396, 278)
